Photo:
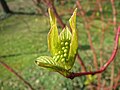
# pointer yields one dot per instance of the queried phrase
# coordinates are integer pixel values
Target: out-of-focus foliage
(23, 39)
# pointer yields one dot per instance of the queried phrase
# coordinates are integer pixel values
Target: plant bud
(61, 56)
(66, 47)
(66, 43)
(62, 43)
(65, 50)
(65, 55)
(55, 54)
(59, 52)
(63, 59)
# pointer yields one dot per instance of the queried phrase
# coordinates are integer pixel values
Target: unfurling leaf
(53, 39)
(48, 62)
(74, 39)
(52, 18)
(63, 47)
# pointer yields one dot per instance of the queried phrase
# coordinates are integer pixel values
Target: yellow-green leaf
(63, 47)
(53, 40)
(74, 39)
(65, 35)
(48, 62)
(72, 20)
(52, 17)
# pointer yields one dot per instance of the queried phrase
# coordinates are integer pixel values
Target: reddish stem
(114, 14)
(87, 27)
(114, 23)
(117, 80)
(103, 68)
(102, 38)
(15, 73)
(81, 63)
(50, 4)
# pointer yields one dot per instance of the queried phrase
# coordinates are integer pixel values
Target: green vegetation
(23, 38)
(63, 47)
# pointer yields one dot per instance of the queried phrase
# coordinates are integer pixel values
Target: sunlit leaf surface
(63, 47)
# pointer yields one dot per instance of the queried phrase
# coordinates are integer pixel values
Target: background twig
(16, 74)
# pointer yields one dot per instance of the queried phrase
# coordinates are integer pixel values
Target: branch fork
(104, 67)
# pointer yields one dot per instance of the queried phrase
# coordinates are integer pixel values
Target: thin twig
(114, 24)
(103, 31)
(117, 80)
(16, 74)
(36, 2)
(103, 68)
(50, 4)
(87, 26)
(114, 14)
(101, 40)
(81, 63)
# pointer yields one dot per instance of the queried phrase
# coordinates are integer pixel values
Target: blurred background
(24, 25)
